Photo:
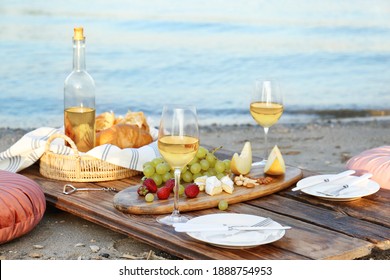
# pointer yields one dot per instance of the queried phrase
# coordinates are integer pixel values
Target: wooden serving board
(128, 200)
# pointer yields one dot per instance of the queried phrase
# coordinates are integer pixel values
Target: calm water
(328, 55)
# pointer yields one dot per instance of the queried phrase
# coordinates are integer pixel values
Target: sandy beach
(322, 146)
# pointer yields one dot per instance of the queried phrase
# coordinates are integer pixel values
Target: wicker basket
(76, 168)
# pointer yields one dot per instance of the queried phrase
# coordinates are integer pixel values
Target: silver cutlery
(263, 223)
(338, 190)
(180, 227)
(329, 179)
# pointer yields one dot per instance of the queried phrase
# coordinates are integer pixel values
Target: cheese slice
(227, 184)
(201, 182)
(213, 185)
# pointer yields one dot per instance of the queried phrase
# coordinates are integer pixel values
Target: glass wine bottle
(79, 98)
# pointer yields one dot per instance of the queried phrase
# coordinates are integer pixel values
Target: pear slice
(241, 164)
(275, 163)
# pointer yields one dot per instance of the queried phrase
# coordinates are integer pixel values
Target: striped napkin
(26, 151)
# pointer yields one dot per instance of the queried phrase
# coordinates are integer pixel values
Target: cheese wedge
(201, 182)
(213, 185)
(227, 184)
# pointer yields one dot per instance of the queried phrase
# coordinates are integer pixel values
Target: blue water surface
(327, 55)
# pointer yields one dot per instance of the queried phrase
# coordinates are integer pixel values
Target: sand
(322, 146)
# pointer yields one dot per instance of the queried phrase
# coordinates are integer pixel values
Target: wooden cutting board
(128, 200)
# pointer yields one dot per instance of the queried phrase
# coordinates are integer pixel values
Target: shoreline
(322, 146)
(226, 118)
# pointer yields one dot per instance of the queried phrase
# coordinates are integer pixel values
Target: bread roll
(124, 136)
(104, 121)
(137, 118)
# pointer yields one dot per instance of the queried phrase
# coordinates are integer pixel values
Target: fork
(262, 223)
(336, 192)
(355, 181)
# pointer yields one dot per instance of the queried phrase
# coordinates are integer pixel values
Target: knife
(340, 189)
(316, 181)
(209, 227)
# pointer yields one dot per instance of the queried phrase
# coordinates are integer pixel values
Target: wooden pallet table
(321, 229)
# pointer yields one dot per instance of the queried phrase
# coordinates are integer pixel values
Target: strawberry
(150, 185)
(192, 190)
(142, 190)
(170, 184)
(163, 193)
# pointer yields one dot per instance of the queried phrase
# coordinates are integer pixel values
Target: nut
(262, 180)
(245, 181)
(265, 180)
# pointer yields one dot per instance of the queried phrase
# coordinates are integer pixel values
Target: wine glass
(266, 108)
(178, 142)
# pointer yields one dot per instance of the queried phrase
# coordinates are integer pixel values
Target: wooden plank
(97, 207)
(180, 244)
(374, 208)
(304, 241)
(295, 245)
(299, 243)
(308, 239)
(128, 200)
(146, 229)
(334, 217)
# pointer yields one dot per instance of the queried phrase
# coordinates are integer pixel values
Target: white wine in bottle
(79, 98)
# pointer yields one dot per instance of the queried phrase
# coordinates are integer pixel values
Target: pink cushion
(22, 205)
(375, 161)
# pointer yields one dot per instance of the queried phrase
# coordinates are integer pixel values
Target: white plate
(354, 192)
(234, 239)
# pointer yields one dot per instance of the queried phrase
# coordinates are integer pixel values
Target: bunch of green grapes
(158, 170)
(205, 163)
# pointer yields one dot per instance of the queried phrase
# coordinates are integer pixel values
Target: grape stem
(216, 149)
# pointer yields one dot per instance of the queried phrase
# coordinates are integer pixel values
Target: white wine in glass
(178, 142)
(266, 107)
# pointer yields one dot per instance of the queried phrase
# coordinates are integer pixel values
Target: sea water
(329, 56)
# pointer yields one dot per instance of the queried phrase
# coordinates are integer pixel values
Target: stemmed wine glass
(178, 142)
(266, 107)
